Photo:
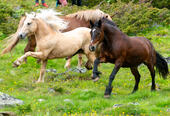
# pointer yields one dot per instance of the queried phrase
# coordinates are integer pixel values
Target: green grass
(85, 96)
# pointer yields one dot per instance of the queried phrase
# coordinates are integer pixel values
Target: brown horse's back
(139, 50)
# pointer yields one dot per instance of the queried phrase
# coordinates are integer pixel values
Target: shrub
(10, 15)
(5, 18)
(155, 3)
(132, 18)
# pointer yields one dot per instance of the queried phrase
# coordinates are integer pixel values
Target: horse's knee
(88, 65)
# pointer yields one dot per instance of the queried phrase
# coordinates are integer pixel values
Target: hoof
(39, 82)
(106, 96)
(134, 91)
(67, 67)
(38, 61)
(96, 79)
(153, 90)
(15, 64)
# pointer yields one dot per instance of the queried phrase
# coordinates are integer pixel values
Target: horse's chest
(109, 57)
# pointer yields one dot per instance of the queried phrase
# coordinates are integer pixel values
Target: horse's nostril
(20, 36)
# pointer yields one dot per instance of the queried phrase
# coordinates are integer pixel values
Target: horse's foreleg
(38, 55)
(96, 73)
(79, 60)
(136, 74)
(42, 71)
(67, 65)
(111, 78)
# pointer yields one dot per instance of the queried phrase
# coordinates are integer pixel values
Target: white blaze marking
(93, 30)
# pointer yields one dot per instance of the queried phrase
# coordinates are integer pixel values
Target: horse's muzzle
(92, 48)
(22, 36)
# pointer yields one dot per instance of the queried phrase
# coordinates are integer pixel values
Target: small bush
(133, 18)
(6, 20)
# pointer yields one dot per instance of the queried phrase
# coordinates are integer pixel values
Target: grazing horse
(75, 20)
(113, 46)
(53, 44)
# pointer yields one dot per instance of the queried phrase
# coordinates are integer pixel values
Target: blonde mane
(87, 15)
(51, 17)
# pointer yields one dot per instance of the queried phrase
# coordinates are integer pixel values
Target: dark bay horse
(75, 20)
(113, 46)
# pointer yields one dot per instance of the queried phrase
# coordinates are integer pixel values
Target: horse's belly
(132, 63)
(62, 54)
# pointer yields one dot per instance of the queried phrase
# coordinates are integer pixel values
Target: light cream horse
(53, 44)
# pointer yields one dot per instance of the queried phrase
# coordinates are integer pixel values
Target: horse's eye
(28, 23)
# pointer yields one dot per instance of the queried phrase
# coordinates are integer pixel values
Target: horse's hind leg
(91, 57)
(42, 71)
(88, 65)
(152, 72)
(79, 60)
(30, 45)
(67, 65)
(136, 74)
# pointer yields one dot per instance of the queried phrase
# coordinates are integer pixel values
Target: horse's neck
(110, 37)
(111, 33)
(42, 30)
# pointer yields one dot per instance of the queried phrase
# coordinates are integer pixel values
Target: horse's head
(97, 34)
(29, 26)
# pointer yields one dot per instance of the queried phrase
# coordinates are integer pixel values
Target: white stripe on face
(93, 30)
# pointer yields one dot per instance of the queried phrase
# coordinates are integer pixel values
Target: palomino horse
(53, 44)
(113, 46)
(75, 20)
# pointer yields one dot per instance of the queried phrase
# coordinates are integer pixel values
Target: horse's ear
(91, 24)
(99, 23)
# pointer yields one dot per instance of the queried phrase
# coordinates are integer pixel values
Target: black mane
(105, 20)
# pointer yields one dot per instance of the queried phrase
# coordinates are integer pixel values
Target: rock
(41, 100)
(114, 93)
(117, 105)
(51, 90)
(7, 114)
(134, 103)
(6, 100)
(68, 101)
(1, 80)
(79, 70)
(51, 70)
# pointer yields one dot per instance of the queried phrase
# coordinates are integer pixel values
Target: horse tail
(13, 39)
(12, 42)
(161, 65)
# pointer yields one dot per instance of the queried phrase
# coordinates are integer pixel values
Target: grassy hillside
(77, 94)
